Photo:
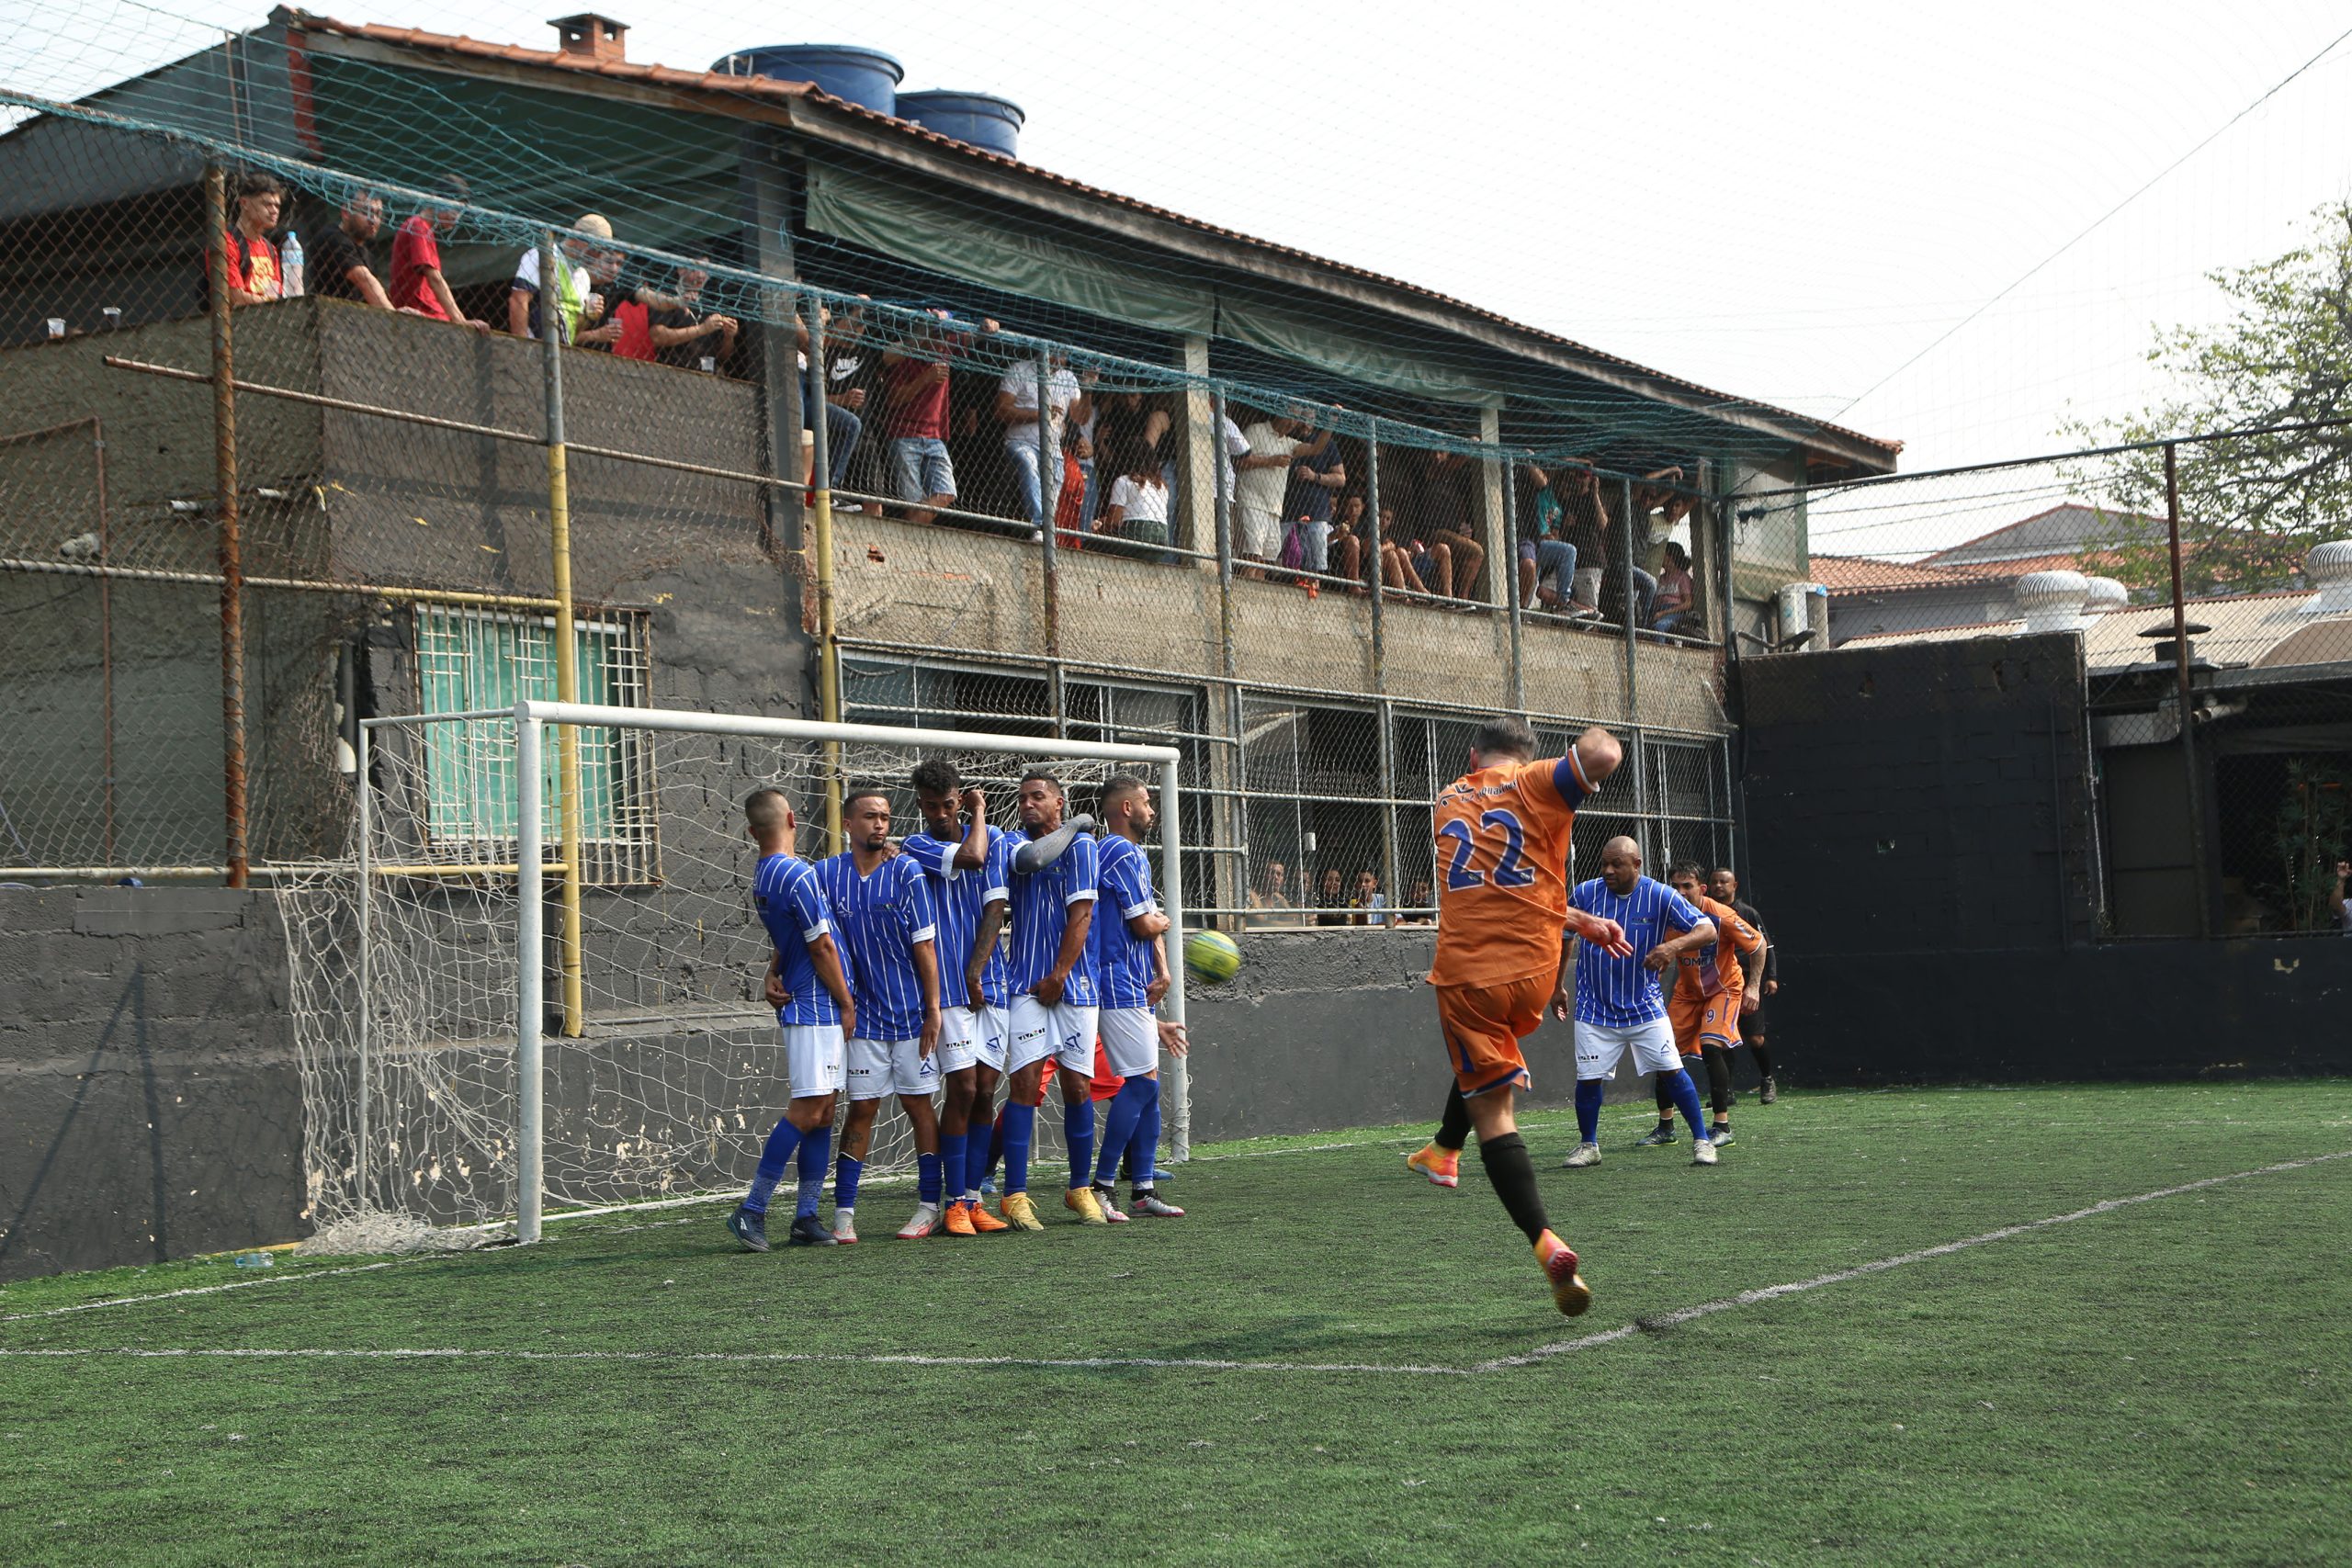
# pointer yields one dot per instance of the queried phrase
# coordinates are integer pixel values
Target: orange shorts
(1482, 1026)
(1700, 1020)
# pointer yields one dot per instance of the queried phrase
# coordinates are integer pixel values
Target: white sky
(1786, 201)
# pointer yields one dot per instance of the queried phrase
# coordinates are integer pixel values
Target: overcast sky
(1789, 202)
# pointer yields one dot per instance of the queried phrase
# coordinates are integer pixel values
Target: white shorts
(812, 1058)
(1131, 1040)
(969, 1036)
(1261, 533)
(1600, 1046)
(878, 1068)
(1064, 1033)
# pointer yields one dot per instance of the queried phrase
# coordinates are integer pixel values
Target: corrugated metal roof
(761, 86)
(2247, 628)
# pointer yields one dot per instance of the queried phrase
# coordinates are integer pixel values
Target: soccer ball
(1211, 956)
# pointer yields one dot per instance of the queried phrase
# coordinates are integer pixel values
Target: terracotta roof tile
(718, 82)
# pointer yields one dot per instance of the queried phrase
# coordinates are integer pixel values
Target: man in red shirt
(255, 275)
(417, 283)
(915, 377)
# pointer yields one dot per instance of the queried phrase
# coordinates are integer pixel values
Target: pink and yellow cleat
(1569, 1292)
(1440, 1166)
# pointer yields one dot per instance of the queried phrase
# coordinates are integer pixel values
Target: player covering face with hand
(1503, 834)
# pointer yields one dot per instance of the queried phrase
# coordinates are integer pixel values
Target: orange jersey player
(1704, 1009)
(1501, 843)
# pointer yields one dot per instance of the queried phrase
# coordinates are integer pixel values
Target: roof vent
(2105, 594)
(2328, 569)
(591, 37)
(2052, 601)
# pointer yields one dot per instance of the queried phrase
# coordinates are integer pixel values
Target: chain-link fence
(2209, 576)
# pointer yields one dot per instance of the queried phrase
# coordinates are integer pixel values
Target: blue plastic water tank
(981, 118)
(864, 76)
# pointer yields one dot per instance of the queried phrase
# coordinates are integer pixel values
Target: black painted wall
(1920, 840)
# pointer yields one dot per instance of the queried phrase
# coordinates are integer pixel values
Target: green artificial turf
(2166, 1381)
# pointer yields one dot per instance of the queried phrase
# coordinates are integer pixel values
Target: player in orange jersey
(1708, 986)
(1502, 855)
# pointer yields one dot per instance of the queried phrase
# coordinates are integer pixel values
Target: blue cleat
(1658, 1137)
(1720, 1136)
(748, 1228)
(808, 1230)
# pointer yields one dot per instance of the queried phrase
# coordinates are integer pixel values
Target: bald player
(1705, 1007)
(1617, 1004)
(1502, 855)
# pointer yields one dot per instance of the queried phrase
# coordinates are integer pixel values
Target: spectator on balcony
(1258, 480)
(1409, 563)
(1547, 563)
(1317, 475)
(1269, 902)
(1347, 541)
(1067, 398)
(339, 266)
(576, 299)
(1450, 509)
(916, 378)
(844, 427)
(256, 273)
(1671, 606)
(653, 325)
(1585, 529)
(1331, 905)
(1139, 503)
(417, 282)
(1419, 906)
(1370, 904)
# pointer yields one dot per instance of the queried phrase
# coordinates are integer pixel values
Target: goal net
(480, 1035)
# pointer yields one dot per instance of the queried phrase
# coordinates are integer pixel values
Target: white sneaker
(926, 1221)
(1590, 1154)
(1108, 1200)
(1703, 1152)
(845, 1226)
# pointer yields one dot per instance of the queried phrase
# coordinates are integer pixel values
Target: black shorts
(1751, 1024)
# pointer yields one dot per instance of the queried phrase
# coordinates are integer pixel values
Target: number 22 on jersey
(1495, 825)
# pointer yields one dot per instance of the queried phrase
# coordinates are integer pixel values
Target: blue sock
(951, 1162)
(1077, 1132)
(1020, 1129)
(814, 1148)
(991, 1152)
(1686, 1100)
(1144, 1147)
(927, 1179)
(1589, 1092)
(774, 1160)
(1119, 1125)
(846, 1175)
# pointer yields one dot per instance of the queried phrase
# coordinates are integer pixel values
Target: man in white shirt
(1068, 399)
(1259, 487)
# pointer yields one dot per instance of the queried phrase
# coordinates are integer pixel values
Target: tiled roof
(1861, 574)
(761, 86)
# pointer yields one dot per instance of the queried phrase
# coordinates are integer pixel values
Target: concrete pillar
(1496, 523)
(766, 186)
(1196, 466)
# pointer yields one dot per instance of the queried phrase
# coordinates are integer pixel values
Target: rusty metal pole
(224, 471)
(2194, 793)
(106, 627)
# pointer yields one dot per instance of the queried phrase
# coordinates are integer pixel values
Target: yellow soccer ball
(1211, 956)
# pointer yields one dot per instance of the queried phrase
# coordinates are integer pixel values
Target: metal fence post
(1224, 500)
(567, 653)
(1633, 607)
(1506, 576)
(230, 543)
(1049, 484)
(821, 480)
(2193, 794)
(1171, 882)
(1371, 543)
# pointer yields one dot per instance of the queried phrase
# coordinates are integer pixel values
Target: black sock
(1453, 1125)
(1513, 1176)
(1763, 1058)
(1719, 1078)
(1664, 1099)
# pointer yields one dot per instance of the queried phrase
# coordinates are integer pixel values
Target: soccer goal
(534, 987)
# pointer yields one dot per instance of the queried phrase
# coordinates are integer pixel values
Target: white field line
(290, 1278)
(1148, 1363)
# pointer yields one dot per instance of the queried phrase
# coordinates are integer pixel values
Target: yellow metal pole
(829, 668)
(567, 663)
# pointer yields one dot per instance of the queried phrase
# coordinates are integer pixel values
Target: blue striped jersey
(1122, 961)
(1623, 991)
(959, 896)
(792, 905)
(1041, 904)
(877, 920)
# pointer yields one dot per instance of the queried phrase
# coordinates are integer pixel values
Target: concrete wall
(1918, 833)
(149, 1102)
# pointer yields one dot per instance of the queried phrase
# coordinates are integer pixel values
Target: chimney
(2328, 569)
(2052, 601)
(591, 37)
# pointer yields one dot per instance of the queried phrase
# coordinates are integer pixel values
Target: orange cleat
(1569, 1292)
(1440, 1166)
(982, 1221)
(958, 1220)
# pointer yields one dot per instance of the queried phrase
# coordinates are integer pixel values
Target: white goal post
(411, 1110)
